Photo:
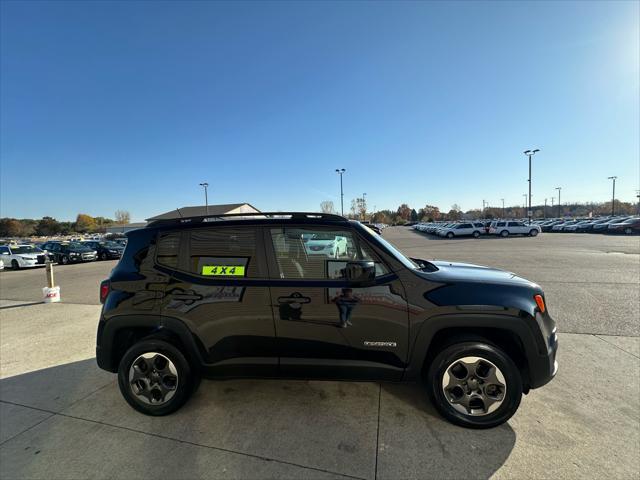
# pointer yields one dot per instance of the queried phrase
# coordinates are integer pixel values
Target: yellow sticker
(223, 270)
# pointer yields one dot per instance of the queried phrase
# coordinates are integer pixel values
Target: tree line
(430, 213)
(49, 226)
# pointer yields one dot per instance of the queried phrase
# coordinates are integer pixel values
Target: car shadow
(418, 442)
(329, 425)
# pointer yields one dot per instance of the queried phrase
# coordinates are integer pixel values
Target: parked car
(22, 256)
(373, 227)
(105, 250)
(604, 226)
(241, 297)
(327, 245)
(70, 252)
(587, 226)
(474, 229)
(506, 228)
(628, 227)
(1, 264)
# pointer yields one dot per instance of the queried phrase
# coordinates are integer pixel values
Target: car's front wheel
(474, 384)
(64, 260)
(450, 235)
(15, 265)
(476, 234)
(533, 232)
(155, 378)
(628, 231)
(504, 233)
(104, 256)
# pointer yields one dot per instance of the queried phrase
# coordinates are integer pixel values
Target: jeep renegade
(307, 295)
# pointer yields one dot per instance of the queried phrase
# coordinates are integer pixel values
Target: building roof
(202, 210)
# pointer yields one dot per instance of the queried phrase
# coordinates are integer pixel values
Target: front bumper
(30, 263)
(544, 366)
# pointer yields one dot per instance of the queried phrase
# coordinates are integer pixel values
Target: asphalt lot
(62, 417)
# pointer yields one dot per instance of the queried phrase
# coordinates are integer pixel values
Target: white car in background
(22, 256)
(326, 244)
(474, 229)
(505, 228)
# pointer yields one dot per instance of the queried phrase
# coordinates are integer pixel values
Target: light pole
(340, 171)
(502, 207)
(206, 198)
(483, 207)
(613, 196)
(524, 205)
(544, 213)
(559, 204)
(530, 153)
(364, 205)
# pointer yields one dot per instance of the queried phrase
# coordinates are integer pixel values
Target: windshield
(77, 246)
(111, 245)
(25, 249)
(407, 262)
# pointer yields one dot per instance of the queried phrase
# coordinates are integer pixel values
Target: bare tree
(122, 217)
(327, 206)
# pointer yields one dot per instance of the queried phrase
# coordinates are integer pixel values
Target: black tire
(504, 233)
(450, 235)
(486, 351)
(628, 231)
(476, 234)
(187, 378)
(533, 232)
(15, 265)
(64, 260)
(104, 256)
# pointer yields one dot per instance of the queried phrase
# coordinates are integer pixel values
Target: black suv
(317, 296)
(68, 252)
(106, 250)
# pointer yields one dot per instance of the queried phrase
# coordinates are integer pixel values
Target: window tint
(223, 252)
(501, 224)
(464, 225)
(168, 248)
(513, 224)
(4, 250)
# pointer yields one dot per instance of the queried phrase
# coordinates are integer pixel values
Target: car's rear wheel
(64, 260)
(628, 231)
(504, 233)
(474, 384)
(15, 265)
(450, 235)
(155, 378)
(104, 256)
(476, 234)
(533, 232)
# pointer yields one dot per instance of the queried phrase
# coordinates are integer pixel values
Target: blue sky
(129, 105)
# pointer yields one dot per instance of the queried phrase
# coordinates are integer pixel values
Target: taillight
(104, 290)
(540, 301)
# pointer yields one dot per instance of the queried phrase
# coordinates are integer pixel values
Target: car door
(216, 285)
(464, 229)
(325, 326)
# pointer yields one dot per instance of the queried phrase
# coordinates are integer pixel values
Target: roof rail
(239, 216)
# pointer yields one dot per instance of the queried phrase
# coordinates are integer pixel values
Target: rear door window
(224, 252)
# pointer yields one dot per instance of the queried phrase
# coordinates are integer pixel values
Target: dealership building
(184, 212)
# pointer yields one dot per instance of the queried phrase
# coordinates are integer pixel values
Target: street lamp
(340, 171)
(502, 207)
(364, 205)
(559, 204)
(206, 198)
(613, 196)
(524, 205)
(544, 213)
(530, 153)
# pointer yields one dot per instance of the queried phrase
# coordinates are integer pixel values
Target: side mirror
(362, 273)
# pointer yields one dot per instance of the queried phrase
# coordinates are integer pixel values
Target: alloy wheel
(474, 386)
(153, 378)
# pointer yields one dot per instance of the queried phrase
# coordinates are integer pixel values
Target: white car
(328, 244)
(506, 228)
(474, 229)
(1, 264)
(22, 256)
